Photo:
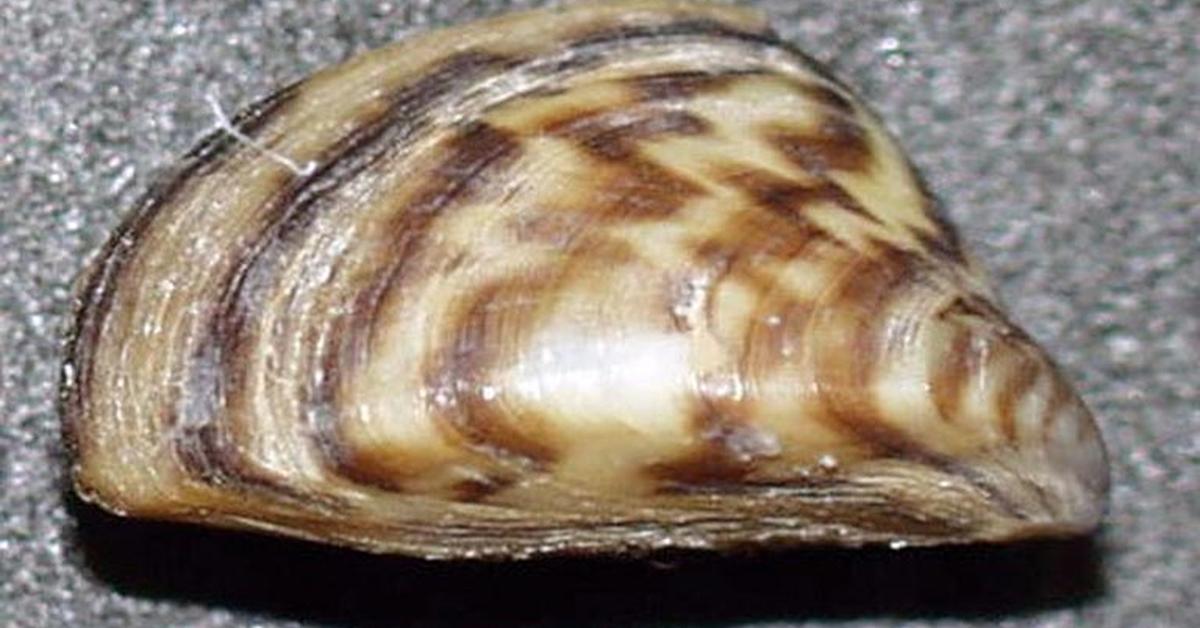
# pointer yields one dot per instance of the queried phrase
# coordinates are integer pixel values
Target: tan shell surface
(615, 277)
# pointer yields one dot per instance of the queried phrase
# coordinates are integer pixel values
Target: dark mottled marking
(643, 191)
(790, 199)
(754, 234)
(292, 211)
(836, 144)
(867, 296)
(476, 490)
(969, 352)
(630, 186)
(210, 454)
(199, 444)
(942, 244)
(971, 307)
(369, 468)
(475, 156)
(99, 285)
(738, 249)
(614, 134)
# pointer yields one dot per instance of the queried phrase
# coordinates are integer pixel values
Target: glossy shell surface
(604, 279)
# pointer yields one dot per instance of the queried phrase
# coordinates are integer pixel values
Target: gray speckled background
(1064, 139)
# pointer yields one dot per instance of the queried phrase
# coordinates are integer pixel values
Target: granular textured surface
(1063, 136)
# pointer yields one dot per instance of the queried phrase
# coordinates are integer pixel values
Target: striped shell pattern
(603, 279)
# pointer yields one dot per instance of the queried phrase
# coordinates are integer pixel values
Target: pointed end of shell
(1078, 472)
(1057, 489)
(1004, 449)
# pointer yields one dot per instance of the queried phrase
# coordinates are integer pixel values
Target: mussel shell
(602, 279)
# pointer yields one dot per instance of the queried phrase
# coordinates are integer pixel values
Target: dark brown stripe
(685, 85)
(93, 300)
(597, 47)
(642, 191)
(210, 454)
(735, 255)
(345, 347)
(781, 236)
(597, 44)
(474, 159)
(199, 444)
(837, 143)
(488, 332)
(866, 296)
(744, 240)
(790, 199)
(477, 490)
(614, 134)
(981, 308)
(971, 308)
(379, 468)
(1015, 388)
(967, 353)
(958, 365)
(634, 188)
(349, 343)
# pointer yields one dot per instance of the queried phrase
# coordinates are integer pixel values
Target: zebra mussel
(612, 278)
